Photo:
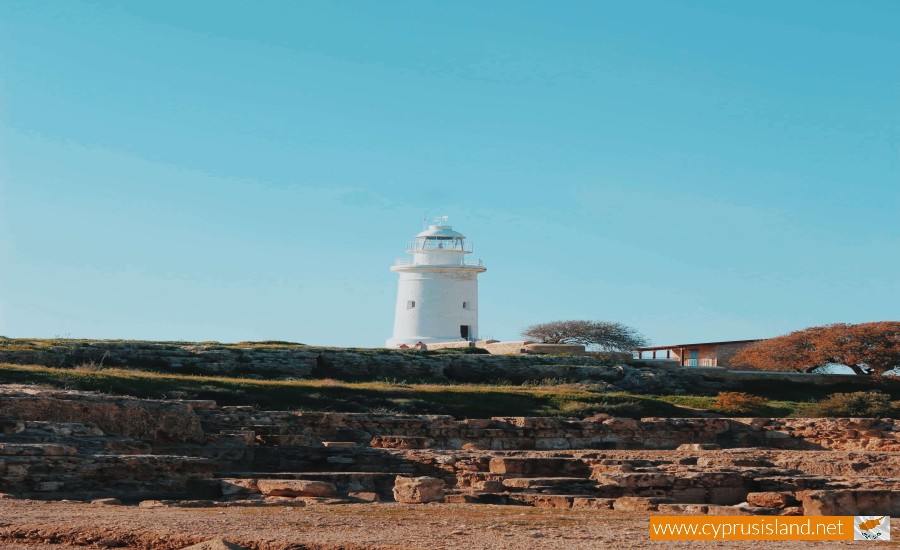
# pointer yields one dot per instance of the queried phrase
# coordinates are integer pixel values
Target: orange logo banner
(766, 527)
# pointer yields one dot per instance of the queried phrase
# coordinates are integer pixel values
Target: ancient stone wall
(125, 416)
(52, 446)
(164, 421)
(505, 433)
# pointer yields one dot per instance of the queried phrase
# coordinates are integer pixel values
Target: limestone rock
(218, 544)
(418, 490)
(364, 496)
(828, 503)
(720, 510)
(489, 486)
(699, 447)
(106, 502)
(639, 504)
(295, 488)
(238, 486)
(688, 509)
(771, 499)
(593, 503)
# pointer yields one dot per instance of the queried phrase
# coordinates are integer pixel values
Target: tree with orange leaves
(867, 348)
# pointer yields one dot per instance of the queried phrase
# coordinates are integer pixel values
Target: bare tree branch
(597, 335)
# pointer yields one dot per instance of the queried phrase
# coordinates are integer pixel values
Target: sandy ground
(33, 525)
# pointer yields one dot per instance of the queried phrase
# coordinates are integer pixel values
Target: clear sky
(250, 170)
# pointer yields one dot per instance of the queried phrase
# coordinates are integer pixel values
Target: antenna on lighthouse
(425, 221)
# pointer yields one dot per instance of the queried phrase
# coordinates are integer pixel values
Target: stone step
(542, 500)
(568, 485)
(51, 429)
(36, 449)
(539, 466)
(83, 445)
(129, 496)
(346, 482)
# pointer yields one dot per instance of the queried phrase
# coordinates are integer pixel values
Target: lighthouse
(437, 294)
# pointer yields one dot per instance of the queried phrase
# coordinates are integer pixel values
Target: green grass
(547, 398)
(459, 400)
(776, 407)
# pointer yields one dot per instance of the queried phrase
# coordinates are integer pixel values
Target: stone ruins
(57, 444)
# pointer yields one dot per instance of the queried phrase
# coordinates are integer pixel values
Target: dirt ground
(33, 525)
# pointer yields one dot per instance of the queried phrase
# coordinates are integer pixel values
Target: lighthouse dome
(445, 231)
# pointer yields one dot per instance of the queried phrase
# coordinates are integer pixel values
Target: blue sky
(244, 171)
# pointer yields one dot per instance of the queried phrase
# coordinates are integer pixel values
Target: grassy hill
(460, 400)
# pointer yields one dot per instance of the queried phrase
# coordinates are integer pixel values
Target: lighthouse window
(465, 305)
(410, 304)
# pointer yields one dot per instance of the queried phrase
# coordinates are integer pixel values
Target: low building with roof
(700, 354)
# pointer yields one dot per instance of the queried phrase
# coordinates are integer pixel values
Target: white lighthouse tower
(437, 296)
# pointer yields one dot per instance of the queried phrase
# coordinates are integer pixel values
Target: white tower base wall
(433, 303)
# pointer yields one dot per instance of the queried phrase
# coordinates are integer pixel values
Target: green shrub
(732, 402)
(869, 404)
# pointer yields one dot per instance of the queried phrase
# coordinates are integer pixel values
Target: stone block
(828, 503)
(461, 499)
(699, 447)
(399, 442)
(217, 544)
(489, 486)
(296, 488)
(772, 499)
(364, 496)
(686, 509)
(546, 467)
(639, 504)
(418, 490)
(106, 502)
(239, 486)
(593, 503)
(541, 482)
(720, 510)
(635, 480)
(541, 500)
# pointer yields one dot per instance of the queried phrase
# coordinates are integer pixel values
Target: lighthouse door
(464, 331)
